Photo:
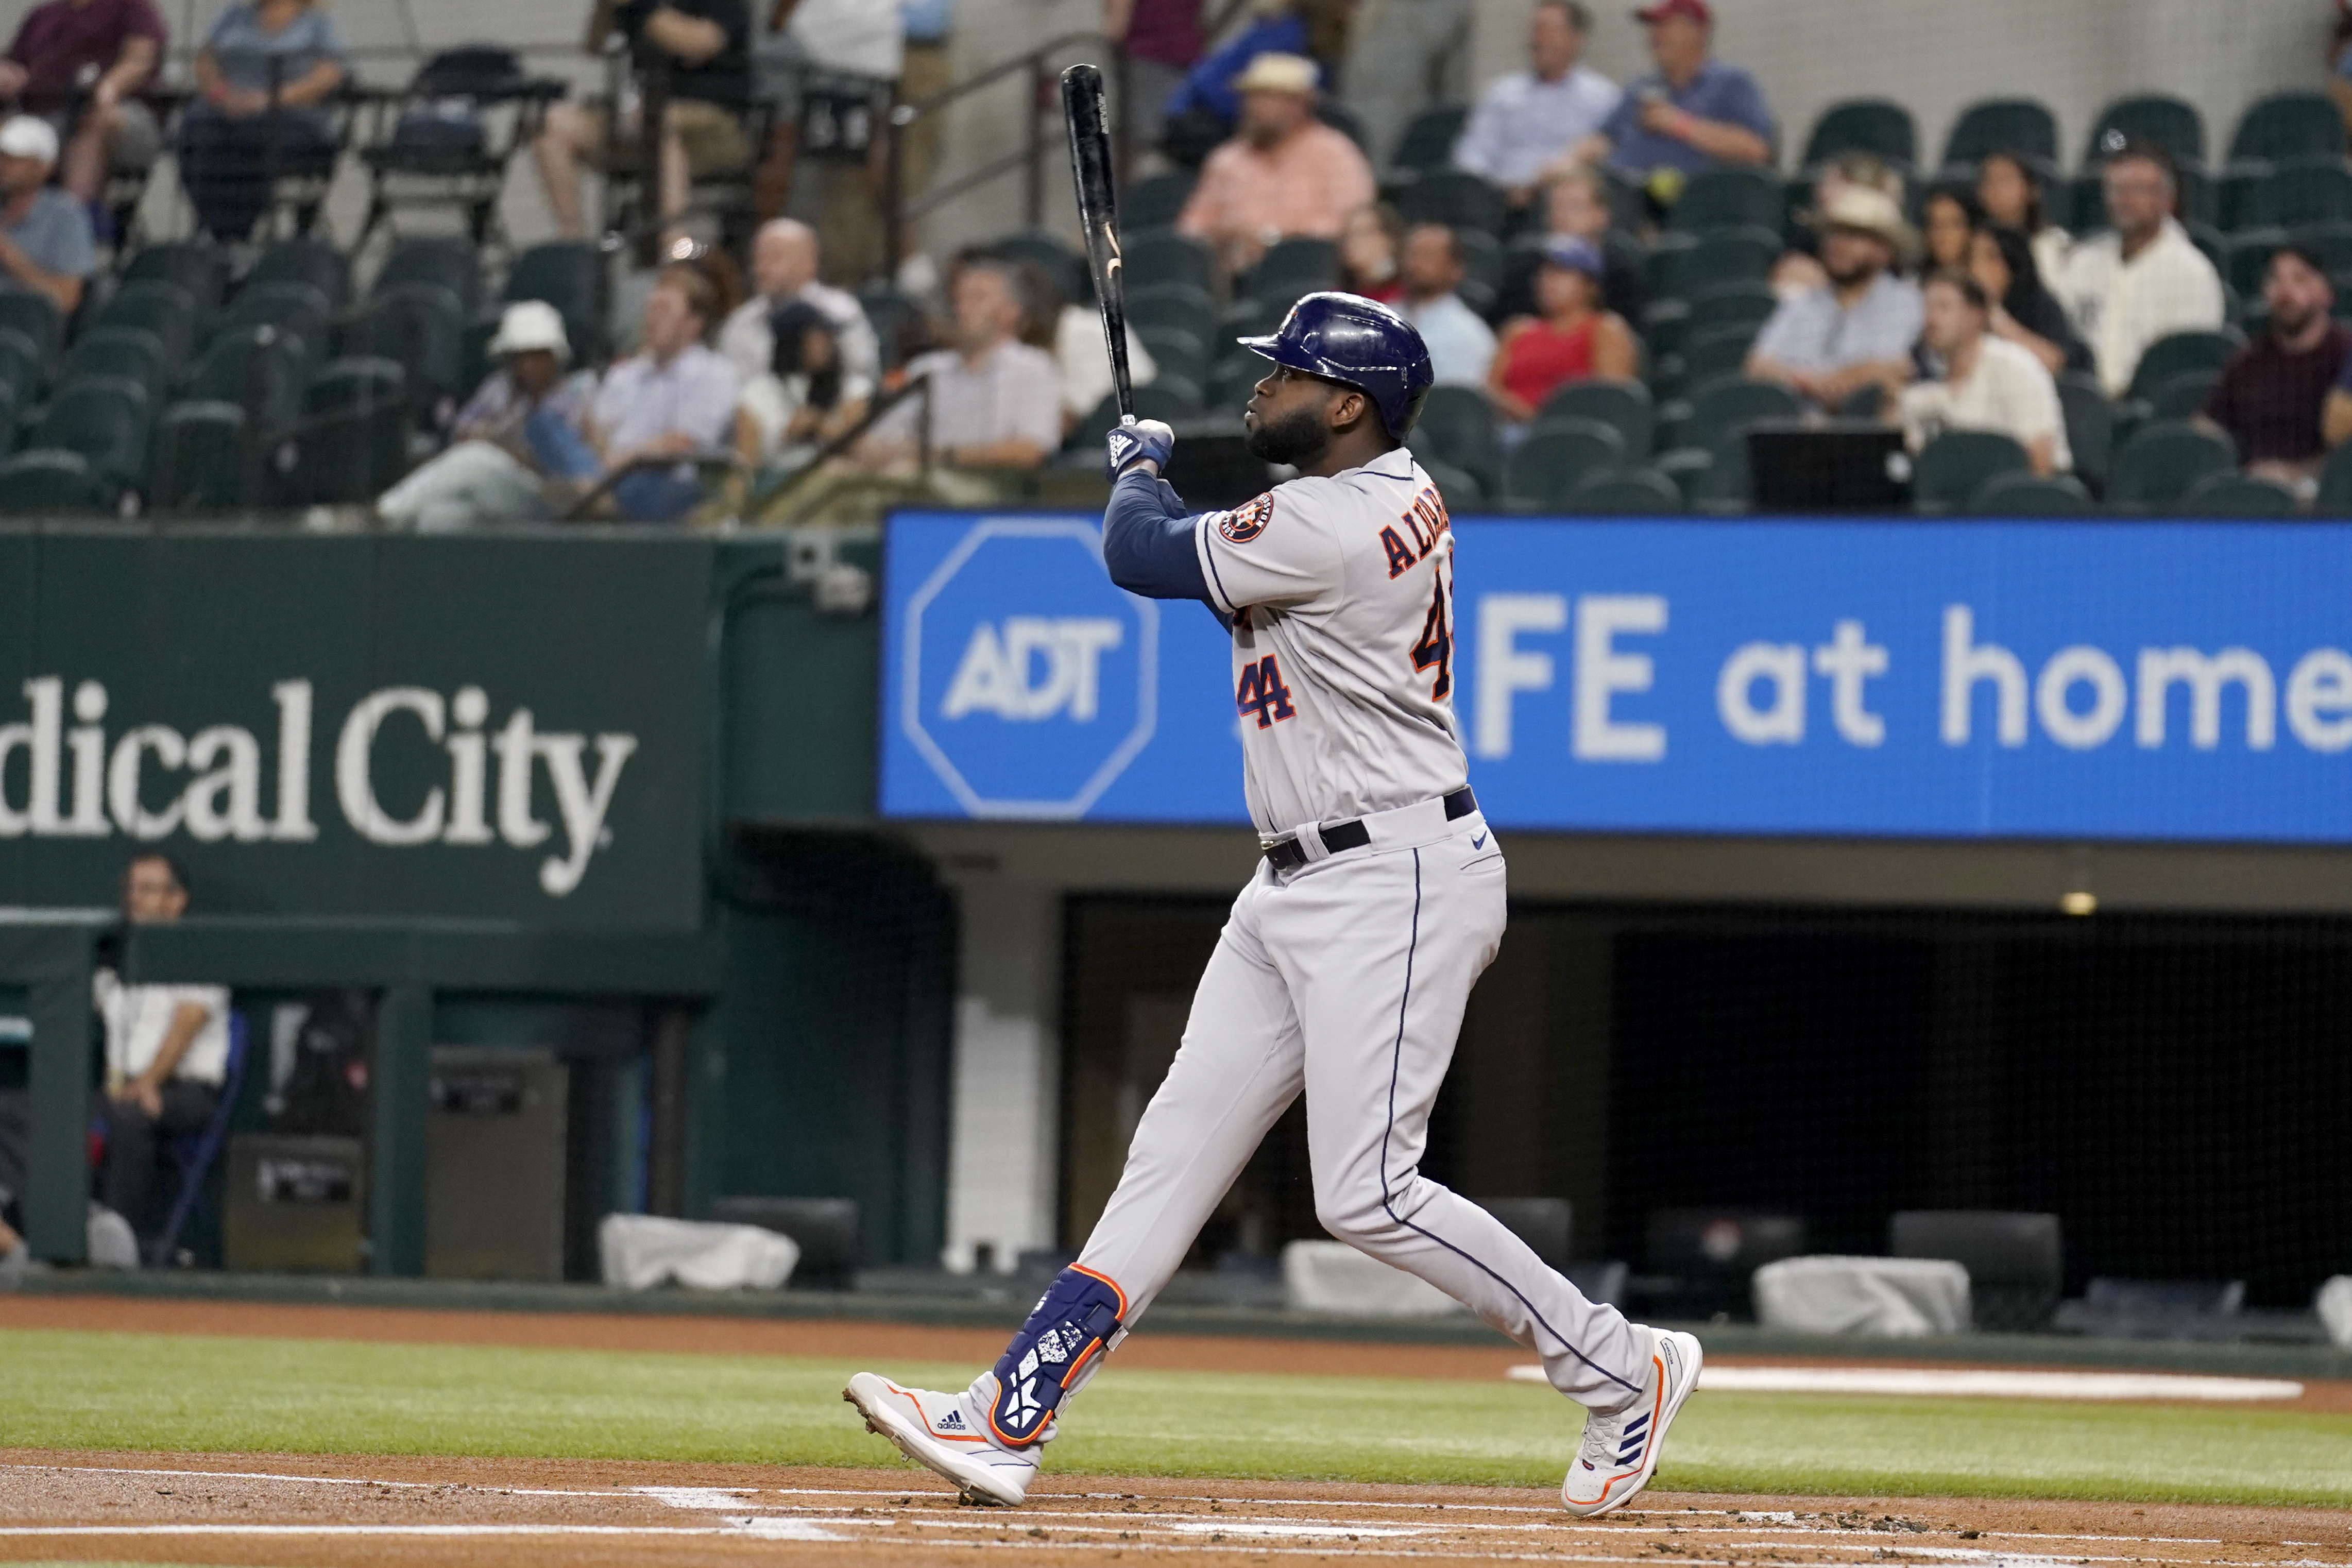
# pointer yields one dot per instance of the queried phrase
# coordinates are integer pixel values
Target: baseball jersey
(1339, 592)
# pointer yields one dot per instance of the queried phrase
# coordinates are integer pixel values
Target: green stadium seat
(305, 261)
(131, 352)
(1458, 487)
(1482, 260)
(1168, 258)
(1624, 405)
(103, 418)
(2334, 498)
(2090, 424)
(1733, 404)
(1743, 305)
(565, 273)
(1176, 352)
(1454, 197)
(202, 461)
(1429, 138)
(2179, 351)
(11, 418)
(2237, 495)
(1728, 481)
(2003, 125)
(2299, 191)
(2329, 243)
(2288, 125)
(1689, 470)
(1728, 196)
(2247, 259)
(2170, 122)
(298, 310)
(2180, 397)
(1293, 267)
(1457, 425)
(2033, 495)
(1665, 326)
(1710, 355)
(346, 458)
(2080, 204)
(1956, 465)
(1065, 267)
(1153, 203)
(1555, 458)
(1624, 492)
(49, 482)
(2157, 466)
(887, 312)
(1179, 305)
(164, 308)
(1680, 264)
(262, 369)
(20, 365)
(35, 315)
(442, 260)
(360, 383)
(1877, 126)
(419, 326)
(1231, 382)
(1246, 316)
(200, 269)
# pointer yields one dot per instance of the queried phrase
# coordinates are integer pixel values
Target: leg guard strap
(1073, 1324)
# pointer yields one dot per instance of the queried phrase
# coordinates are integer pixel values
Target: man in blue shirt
(1692, 113)
(45, 239)
(1531, 121)
(1858, 328)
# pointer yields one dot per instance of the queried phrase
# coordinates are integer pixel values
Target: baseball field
(165, 1431)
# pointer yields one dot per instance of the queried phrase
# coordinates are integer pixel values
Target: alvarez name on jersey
(1340, 593)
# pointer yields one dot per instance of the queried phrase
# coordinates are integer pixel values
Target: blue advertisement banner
(2157, 681)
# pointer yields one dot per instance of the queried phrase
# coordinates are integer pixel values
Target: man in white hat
(1285, 174)
(44, 238)
(518, 429)
(1857, 328)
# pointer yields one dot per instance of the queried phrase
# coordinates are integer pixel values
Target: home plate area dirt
(329, 1513)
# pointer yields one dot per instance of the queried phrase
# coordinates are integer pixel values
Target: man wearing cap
(1285, 174)
(1531, 120)
(1859, 327)
(44, 238)
(506, 437)
(1691, 114)
(110, 48)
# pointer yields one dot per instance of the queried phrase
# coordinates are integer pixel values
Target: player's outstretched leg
(1621, 1447)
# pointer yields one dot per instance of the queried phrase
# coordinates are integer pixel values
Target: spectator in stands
(1411, 56)
(1370, 248)
(1990, 384)
(1461, 346)
(1691, 114)
(1529, 123)
(236, 128)
(521, 426)
(784, 256)
(1073, 334)
(2145, 279)
(673, 399)
(1799, 269)
(995, 401)
(1285, 174)
(705, 48)
(80, 65)
(2271, 396)
(1576, 205)
(44, 238)
(1947, 222)
(166, 1052)
(1207, 108)
(1857, 328)
(2024, 312)
(797, 400)
(1160, 40)
(2010, 193)
(1575, 336)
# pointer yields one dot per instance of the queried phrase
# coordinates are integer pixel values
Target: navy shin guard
(1072, 1325)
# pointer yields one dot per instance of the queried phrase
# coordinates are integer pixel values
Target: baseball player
(1347, 962)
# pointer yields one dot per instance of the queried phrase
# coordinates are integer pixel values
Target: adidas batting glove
(1144, 439)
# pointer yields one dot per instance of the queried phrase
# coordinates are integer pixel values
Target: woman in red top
(1574, 337)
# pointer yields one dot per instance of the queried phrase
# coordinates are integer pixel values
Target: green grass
(72, 1390)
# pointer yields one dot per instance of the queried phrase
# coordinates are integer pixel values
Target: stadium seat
(1622, 404)
(2033, 495)
(1956, 465)
(1231, 382)
(1454, 197)
(1689, 470)
(1459, 487)
(1624, 492)
(1680, 264)
(164, 308)
(1168, 258)
(2178, 351)
(55, 483)
(2155, 469)
(1877, 126)
(1728, 196)
(1482, 268)
(35, 315)
(201, 461)
(2246, 260)
(2003, 125)
(20, 365)
(2170, 122)
(419, 326)
(887, 312)
(262, 369)
(2298, 191)
(358, 384)
(2334, 498)
(1735, 404)
(564, 273)
(200, 269)
(2329, 243)
(1177, 352)
(2090, 424)
(439, 260)
(2288, 125)
(305, 261)
(346, 458)
(1557, 456)
(1712, 355)
(1429, 138)
(131, 352)
(2179, 396)
(104, 419)
(1246, 318)
(1292, 268)
(2237, 495)
(298, 310)
(1744, 305)
(1457, 427)
(1664, 326)
(1153, 203)
(1062, 265)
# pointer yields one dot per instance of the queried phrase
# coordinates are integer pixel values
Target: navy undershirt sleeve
(1148, 543)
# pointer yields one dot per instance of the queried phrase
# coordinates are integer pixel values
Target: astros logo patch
(1245, 523)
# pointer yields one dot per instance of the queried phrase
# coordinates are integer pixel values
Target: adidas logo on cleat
(951, 1422)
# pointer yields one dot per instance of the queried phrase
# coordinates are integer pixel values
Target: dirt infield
(393, 1513)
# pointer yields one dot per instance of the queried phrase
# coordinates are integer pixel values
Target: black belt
(1352, 834)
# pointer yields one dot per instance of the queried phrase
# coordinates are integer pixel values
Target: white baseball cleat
(1619, 1452)
(943, 1433)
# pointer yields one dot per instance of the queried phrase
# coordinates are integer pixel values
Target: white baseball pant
(1346, 978)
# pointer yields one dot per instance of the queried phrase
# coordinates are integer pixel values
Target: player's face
(1289, 417)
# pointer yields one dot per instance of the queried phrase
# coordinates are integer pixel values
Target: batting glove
(1132, 444)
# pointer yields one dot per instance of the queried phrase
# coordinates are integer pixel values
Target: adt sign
(1024, 681)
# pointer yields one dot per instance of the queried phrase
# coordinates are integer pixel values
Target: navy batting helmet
(1359, 342)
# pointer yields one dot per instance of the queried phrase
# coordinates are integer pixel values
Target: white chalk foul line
(1975, 1382)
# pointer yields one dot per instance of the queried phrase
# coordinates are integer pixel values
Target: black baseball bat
(1082, 108)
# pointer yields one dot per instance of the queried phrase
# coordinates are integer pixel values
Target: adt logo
(1031, 681)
